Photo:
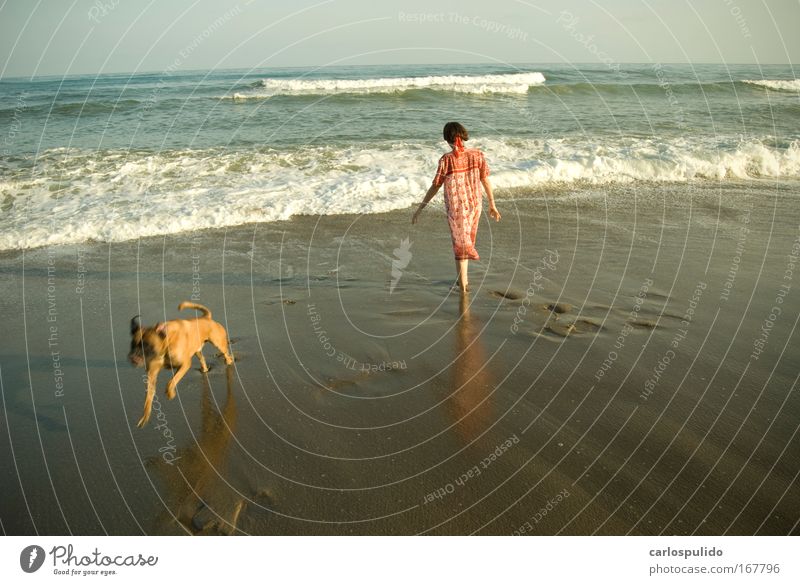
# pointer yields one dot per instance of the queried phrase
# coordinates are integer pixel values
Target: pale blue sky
(56, 37)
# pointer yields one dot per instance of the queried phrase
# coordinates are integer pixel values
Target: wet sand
(622, 365)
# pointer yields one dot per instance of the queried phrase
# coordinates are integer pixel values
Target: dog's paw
(142, 421)
(171, 393)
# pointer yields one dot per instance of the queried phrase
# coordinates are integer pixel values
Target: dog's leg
(152, 375)
(219, 339)
(203, 366)
(177, 378)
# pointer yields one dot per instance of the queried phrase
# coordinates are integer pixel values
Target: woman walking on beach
(462, 171)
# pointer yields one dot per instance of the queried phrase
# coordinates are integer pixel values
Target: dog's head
(147, 343)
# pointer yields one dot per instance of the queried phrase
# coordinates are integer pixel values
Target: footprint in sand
(507, 295)
(558, 308)
(644, 323)
(577, 327)
(279, 301)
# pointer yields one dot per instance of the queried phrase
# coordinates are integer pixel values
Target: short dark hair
(453, 129)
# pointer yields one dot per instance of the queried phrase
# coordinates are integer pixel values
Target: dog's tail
(189, 305)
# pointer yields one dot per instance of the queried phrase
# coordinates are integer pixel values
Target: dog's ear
(161, 329)
(135, 325)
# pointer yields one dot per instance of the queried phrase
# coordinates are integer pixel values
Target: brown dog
(172, 344)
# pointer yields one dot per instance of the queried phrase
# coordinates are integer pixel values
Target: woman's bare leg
(463, 274)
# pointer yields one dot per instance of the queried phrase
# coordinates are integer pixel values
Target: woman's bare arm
(487, 186)
(428, 196)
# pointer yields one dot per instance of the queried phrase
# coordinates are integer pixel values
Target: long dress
(461, 174)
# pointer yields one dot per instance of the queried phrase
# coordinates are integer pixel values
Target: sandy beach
(625, 363)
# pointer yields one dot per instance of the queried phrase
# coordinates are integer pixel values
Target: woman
(462, 171)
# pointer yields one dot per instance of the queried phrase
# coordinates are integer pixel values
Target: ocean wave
(121, 195)
(642, 88)
(776, 84)
(86, 108)
(83, 108)
(517, 83)
(641, 160)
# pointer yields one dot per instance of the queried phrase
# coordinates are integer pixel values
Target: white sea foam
(631, 160)
(481, 84)
(118, 195)
(779, 84)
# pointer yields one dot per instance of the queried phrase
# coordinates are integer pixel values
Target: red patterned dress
(461, 176)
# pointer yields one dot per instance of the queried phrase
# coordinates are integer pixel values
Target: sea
(115, 157)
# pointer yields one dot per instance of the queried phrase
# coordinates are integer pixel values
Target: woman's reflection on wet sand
(471, 378)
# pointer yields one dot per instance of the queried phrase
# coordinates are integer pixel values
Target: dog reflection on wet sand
(200, 496)
(172, 344)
